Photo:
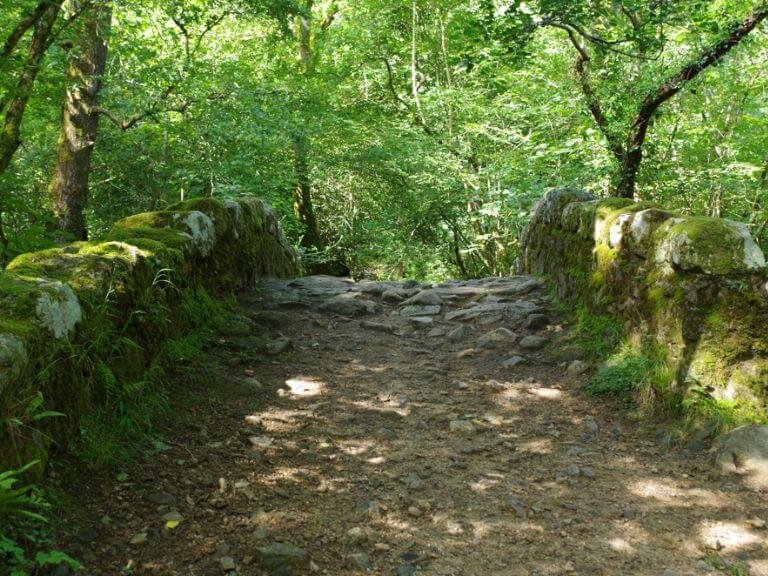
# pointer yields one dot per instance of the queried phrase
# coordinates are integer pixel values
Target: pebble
(459, 334)
(414, 511)
(386, 433)
(591, 425)
(139, 538)
(512, 361)
(356, 535)
(499, 338)
(262, 442)
(577, 368)
(227, 563)
(532, 342)
(463, 427)
(362, 561)
(413, 482)
(421, 321)
(173, 516)
(517, 505)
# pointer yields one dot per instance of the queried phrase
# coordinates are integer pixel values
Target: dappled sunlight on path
(379, 446)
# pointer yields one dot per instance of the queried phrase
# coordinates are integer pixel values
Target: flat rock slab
(322, 285)
(348, 305)
(418, 310)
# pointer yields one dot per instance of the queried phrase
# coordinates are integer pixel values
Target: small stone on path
(577, 368)
(362, 561)
(462, 427)
(512, 361)
(532, 342)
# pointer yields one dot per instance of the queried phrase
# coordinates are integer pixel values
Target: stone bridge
(345, 428)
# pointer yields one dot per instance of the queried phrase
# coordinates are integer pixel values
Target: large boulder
(691, 287)
(744, 451)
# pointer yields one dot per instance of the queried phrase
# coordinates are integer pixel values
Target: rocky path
(402, 430)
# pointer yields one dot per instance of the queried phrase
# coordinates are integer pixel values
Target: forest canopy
(395, 138)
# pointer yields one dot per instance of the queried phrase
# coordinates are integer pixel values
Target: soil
(381, 445)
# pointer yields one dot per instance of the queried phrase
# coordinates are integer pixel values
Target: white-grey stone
(419, 310)
(532, 342)
(459, 334)
(512, 361)
(201, 230)
(499, 338)
(576, 368)
(348, 305)
(462, 427)
(425, 298)
(744, 451)
(58, 309)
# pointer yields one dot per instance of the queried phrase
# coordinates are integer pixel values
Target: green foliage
(21, 514)
(630, 372)
(114, 432)
(24, 501)
(428, 183)
(598, 334)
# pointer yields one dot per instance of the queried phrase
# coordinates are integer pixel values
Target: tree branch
(126, 124)
(21, 28)
(593, 102)
(708, 57)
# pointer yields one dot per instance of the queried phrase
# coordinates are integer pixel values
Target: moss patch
(129, 289)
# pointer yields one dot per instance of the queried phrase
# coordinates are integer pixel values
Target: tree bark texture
(80, 122)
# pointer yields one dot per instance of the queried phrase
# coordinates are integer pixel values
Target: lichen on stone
(58, 309)
(694, 285)
(201, 230)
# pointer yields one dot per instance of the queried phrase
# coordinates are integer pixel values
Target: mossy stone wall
(55, 305)
(695, 285)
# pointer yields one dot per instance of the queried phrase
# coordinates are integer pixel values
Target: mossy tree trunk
(41, 21)
(80, 121)
(302, 192)
(14, 107)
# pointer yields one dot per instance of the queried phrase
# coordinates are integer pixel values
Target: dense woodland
(398, 138)
(395, 139)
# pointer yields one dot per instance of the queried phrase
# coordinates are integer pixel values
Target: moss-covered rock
(125, 286)
(694, 285)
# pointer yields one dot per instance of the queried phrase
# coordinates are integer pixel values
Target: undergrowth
(114, 431)
(642, 376)
(23, 519)
(118, 370)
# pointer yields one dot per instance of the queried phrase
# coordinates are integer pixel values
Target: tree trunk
(631, 160)
(80, 122)
(302, 193)
(17, 104)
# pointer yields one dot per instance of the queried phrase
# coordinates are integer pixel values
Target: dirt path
(447, 442)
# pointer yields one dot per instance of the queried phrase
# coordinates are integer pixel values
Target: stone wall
(56, 304)
(695, 285)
